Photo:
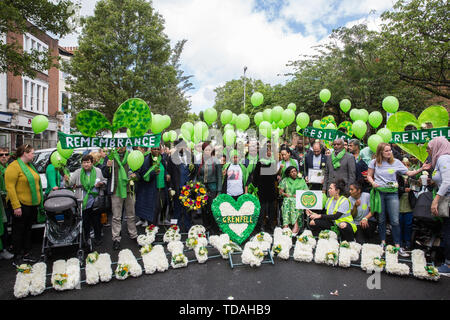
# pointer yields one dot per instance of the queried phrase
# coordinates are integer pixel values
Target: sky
(224, 36)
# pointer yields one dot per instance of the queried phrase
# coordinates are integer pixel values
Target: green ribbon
(336, 159)
(122, 180)
(252, 190)
(32, 184)
(88, 184)
(375, 198)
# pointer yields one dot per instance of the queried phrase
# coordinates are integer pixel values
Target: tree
(416, 37)
(32, 16)
(124, 53)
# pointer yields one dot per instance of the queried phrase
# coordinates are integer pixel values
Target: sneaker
(145, 224)
(116, 245)
(5, 254)
(444, 270)
(138, 223)
(383, 246)
(403, 253)
(29, 258)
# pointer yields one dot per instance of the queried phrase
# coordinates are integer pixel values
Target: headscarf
(439, 146)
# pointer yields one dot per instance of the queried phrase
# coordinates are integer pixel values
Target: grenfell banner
(78, 141)
(419, 136)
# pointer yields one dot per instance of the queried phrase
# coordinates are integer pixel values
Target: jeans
(406, 220)
(390, 204)
(446, 238)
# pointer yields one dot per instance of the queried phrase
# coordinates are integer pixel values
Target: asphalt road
(216, 280)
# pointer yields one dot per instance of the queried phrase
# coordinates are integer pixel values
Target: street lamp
(245, 69)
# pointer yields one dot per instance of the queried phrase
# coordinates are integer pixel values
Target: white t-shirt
(385, 175)
(441, 175)
(316, 161)
(234, 181)
(363, 209)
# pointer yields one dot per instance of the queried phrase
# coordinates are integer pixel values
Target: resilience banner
(78, 141)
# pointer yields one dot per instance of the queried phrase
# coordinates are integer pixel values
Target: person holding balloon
(118, 170)
(24, 188)
(55, 176)
(384, 200)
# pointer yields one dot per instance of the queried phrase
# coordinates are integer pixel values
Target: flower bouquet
(98, 268)
(197, 231)
(154, 259)
(127, 265)
(151, 230)
(193, 195)
(30, 279)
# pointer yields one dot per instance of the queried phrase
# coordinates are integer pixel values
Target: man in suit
(315, 160)
(340, 165)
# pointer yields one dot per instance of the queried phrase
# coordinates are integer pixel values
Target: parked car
(41, 158)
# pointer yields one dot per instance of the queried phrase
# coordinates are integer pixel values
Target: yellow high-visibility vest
(346, 217)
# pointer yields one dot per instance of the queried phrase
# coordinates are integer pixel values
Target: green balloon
(302, 120)
(345, 105)
(157, 125)
(227, 127)
(257, 99)
(288, 116)
(292, 106)
(210, 115)
(166, 136)
(277, 112)
(353, 114)
(364, 115)
(39, 124)
(274, 125)
(242, 122)
(281, 124)
(129, 135)
(386, 134)
(267, 115)
(229, 137)
(65, 153)
(173, 135)
(166, 120)
(226, 116)
(316, 124)
(373, 142)
(200, 131)
(57, 160)
(375, 119)
(187, 130)
(233, 119)
(258, 118)
(359, 128)
(325, 95)
(135, 160)
(390, 104)
(265, 129)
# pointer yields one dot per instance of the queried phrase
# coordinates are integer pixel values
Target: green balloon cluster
(57, 160)
(65, 153)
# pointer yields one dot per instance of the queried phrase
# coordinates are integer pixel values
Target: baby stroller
(426, 233)
(64, 223)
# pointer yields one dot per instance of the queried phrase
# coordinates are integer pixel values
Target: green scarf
(122, 180)
(290, 185)
(146, 176)
(292, 163)
(336, 160)
(2, 178)
(88, 184)
(267, 162)
(252, 160)
(100, 162)
(375, 198)
(32, 184)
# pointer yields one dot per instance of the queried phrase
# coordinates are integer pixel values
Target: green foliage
(30, 16)
(124, 53)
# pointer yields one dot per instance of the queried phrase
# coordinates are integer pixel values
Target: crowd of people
(366, 195)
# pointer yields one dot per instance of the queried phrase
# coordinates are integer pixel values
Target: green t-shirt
(160, 183)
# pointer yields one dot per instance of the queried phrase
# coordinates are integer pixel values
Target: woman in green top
(288, 187)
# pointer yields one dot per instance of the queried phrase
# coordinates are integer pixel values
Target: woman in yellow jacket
(338, 212)
(24, 190)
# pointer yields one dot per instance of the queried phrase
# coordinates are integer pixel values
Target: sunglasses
(4, 154)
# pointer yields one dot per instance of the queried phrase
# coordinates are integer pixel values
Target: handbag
(443, 205)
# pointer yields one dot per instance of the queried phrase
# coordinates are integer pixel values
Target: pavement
(217, 281)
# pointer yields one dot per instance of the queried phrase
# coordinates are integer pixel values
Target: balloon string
(323, 108)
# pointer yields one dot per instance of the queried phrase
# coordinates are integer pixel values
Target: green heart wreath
(236, 218)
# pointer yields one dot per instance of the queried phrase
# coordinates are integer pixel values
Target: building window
(64, 102)
(32, 96)
(35, 95)
(38, 101)
(31, 43)
(25, 94)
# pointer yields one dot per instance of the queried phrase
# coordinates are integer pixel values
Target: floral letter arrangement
(304, 246)
(149, 236)
(420, 269)
(30, 279)
(98, 268)
(348, 252)
(327, 249)
(197, 241)
(282, 244)
(66, 275)
(172, 234)
(236, 218)
(371, 258)
(154, 259)
(223, 244)
(127, 265)
(392, 265)
(256, 249)
(179, 260)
